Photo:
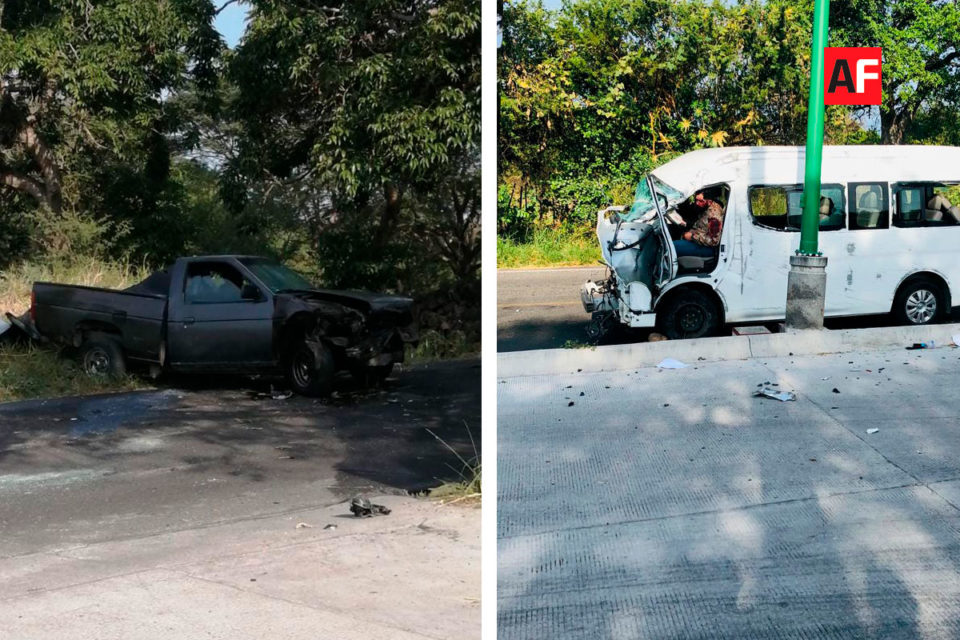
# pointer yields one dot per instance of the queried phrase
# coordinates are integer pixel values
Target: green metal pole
(810, 221)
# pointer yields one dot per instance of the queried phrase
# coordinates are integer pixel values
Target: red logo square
(852, 75)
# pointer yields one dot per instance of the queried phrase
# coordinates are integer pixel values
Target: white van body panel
(865, 266)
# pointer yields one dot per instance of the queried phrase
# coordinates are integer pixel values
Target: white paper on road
(670, 363)
(872, 431)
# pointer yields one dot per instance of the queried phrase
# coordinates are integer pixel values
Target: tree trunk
(390, 214)
(893, 125)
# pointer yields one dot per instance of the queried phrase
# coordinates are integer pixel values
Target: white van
(888, 227)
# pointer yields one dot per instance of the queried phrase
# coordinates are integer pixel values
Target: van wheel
(688, 314)
(102, 357)
(920, 301)
(310, 369)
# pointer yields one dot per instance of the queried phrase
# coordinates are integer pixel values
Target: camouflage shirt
(706, 230)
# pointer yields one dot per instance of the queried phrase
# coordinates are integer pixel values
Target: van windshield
(643, 201)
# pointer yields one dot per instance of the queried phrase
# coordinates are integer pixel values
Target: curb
(647, 354)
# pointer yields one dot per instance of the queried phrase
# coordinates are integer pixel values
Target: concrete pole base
(806, 288)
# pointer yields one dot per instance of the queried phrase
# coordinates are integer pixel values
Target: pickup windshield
(643, 201)
(276, 276)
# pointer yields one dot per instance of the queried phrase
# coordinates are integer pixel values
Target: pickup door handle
(189, 320)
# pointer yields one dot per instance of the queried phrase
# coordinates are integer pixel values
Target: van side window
(780, 207)
(768, 207)
(926, 204)
(869, 205)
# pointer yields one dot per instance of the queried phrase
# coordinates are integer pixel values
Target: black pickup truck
(236, 314)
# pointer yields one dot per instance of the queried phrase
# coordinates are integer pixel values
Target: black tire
(102, 356)
(372, 376)
(688, 314)
(310, 369)
(919, 301)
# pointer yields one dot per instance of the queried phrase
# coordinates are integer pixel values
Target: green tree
(370, 98)
(83, 96)
(921, 61)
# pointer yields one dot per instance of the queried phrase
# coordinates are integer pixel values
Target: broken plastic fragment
(770, 392)
(670, 363)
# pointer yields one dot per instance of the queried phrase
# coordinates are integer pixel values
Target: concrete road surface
(540, 308)
(160, 491)
(674, 504)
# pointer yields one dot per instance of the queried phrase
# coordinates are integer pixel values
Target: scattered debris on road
(363, 508)
(835, 390)
(330, 527)
(922, 345)
(304, 525)
(670, 363)
(872, 431)
(776, 394)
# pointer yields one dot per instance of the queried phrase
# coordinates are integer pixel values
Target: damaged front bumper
(383, 347)
(604, 300)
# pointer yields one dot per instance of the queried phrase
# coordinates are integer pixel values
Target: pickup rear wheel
(310, 369)
(102, 356)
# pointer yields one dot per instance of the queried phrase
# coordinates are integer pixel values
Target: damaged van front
(637, 248)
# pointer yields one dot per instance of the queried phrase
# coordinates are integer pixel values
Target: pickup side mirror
(250, 292)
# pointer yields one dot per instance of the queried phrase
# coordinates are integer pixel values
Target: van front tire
(919, 301)
(688, 314)
(102, 357)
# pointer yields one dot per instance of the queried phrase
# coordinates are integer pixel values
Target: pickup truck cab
(236, 314)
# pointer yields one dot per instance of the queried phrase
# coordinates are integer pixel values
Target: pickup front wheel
(310, 369)
(101, 356)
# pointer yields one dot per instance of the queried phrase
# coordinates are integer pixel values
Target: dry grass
(16, 282)
(41, 372)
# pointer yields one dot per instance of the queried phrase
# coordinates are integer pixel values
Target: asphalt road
(540, 309)
(674, 504)
(95, 469)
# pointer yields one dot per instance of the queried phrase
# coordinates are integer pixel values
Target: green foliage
(363, 93)
(598, 92)
(921, 63)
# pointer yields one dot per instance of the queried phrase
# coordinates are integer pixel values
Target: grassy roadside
(549, 248)
(40, 372)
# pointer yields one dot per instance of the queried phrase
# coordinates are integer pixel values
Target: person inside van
(704, 236)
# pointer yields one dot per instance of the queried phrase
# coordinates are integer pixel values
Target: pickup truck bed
(69, 311)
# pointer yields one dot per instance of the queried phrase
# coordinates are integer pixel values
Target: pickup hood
(364, 301)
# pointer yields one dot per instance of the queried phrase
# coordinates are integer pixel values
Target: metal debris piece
(363, 508)
(770, 392)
